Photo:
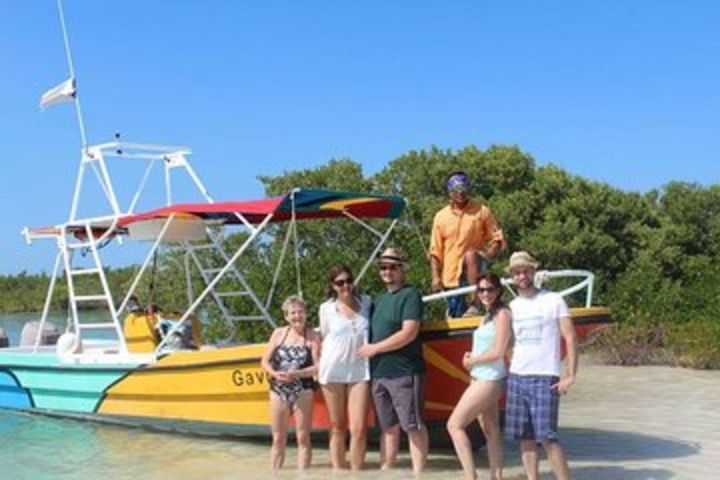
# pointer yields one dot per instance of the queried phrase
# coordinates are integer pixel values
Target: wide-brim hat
(392, 255)
(521, 259)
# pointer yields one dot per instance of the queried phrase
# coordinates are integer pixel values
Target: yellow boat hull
(228, 388)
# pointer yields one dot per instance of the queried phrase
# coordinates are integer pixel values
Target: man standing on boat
(540, 320)
(465, 238)
(397, 369)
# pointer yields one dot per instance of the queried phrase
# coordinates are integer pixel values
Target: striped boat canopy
(309, 204)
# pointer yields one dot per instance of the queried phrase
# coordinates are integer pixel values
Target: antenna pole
(68, 54)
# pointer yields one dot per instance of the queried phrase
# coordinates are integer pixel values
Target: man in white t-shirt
(540, 321)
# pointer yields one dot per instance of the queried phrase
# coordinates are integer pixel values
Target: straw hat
(392, 255)
(521, 259)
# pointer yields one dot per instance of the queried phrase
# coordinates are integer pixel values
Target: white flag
(64, 92)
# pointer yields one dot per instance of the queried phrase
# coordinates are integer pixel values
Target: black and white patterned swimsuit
(287, 358)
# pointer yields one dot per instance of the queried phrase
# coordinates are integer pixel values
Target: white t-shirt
(536, 327)
(342, 336)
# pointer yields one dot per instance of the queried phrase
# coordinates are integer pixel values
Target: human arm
(436, 268)
(567, 332)
(407, 333)
(324, 321)
(265, 362)
(500, 345)
(496, 238)
(436, 256)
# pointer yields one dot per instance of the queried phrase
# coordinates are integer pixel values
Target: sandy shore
(617, 423)
(638, 423)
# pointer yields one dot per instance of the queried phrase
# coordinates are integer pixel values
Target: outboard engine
(4, 343)
(29, 333)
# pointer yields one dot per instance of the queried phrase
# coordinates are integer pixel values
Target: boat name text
(244, 378)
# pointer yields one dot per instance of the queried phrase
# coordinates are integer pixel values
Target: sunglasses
(342, 282)
(388, 266)
(486, 289)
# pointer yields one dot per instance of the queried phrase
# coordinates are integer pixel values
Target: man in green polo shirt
(397, 369)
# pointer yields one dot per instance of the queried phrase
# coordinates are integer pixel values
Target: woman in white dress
(343, 375)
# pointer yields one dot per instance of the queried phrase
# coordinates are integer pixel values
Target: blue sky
(622, 92)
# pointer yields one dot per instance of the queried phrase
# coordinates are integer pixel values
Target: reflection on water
(68, 449)
(51, 448)
(61, 449)
(614, 424)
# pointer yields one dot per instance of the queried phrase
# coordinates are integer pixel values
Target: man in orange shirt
(465, 237)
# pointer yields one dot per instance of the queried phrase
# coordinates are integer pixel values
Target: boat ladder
(81, 303)
(211, 260)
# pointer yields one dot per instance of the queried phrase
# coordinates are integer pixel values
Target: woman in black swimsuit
(291, 360)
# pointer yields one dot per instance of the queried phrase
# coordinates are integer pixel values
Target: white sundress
(342, 336)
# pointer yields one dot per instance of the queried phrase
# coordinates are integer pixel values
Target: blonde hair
(293, 300)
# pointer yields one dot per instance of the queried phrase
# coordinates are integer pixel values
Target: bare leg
(390, 445)
(528, 453)
(303, 421)
(279, 417)
(418, 440)
(477, 397)
(358, 404)
(336, 401)
(491, 428)
(558, 462)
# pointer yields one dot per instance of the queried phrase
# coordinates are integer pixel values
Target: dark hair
(494, 280)
(334, 271)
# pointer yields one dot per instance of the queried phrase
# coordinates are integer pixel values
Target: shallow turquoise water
(37, 447)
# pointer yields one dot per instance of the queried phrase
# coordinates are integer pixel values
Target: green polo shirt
(390, 310)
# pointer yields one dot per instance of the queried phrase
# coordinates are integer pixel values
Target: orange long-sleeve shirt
(456, 231)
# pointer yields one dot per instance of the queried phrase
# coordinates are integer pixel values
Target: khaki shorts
(399, 400)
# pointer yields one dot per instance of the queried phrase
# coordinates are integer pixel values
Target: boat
(126, 370)
(140, 367)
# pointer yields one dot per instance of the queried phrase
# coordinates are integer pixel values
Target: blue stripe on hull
(47, 384)
(12, 395)
(67, 390)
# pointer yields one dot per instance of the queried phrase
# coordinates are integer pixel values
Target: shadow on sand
(608, 445)
(607, 448)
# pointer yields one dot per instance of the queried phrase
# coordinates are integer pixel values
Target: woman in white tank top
(343, 375)
(486, 364)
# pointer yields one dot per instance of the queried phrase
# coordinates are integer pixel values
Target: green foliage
(656, 256)
(638, 340)
(697, 343)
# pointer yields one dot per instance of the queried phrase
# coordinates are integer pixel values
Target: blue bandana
(458, 181)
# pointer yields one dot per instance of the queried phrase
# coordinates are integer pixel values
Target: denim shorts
(532, 408)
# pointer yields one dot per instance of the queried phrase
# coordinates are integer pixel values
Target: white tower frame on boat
(96, 231)
(93, 158)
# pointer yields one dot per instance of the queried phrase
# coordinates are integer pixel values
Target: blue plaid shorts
(531, 412)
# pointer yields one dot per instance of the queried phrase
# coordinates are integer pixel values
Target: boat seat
(141, 333)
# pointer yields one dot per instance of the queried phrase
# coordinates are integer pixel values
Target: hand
(436, 284)
(467, 361)
(367, 351)
(564, 385)
(283, 377)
